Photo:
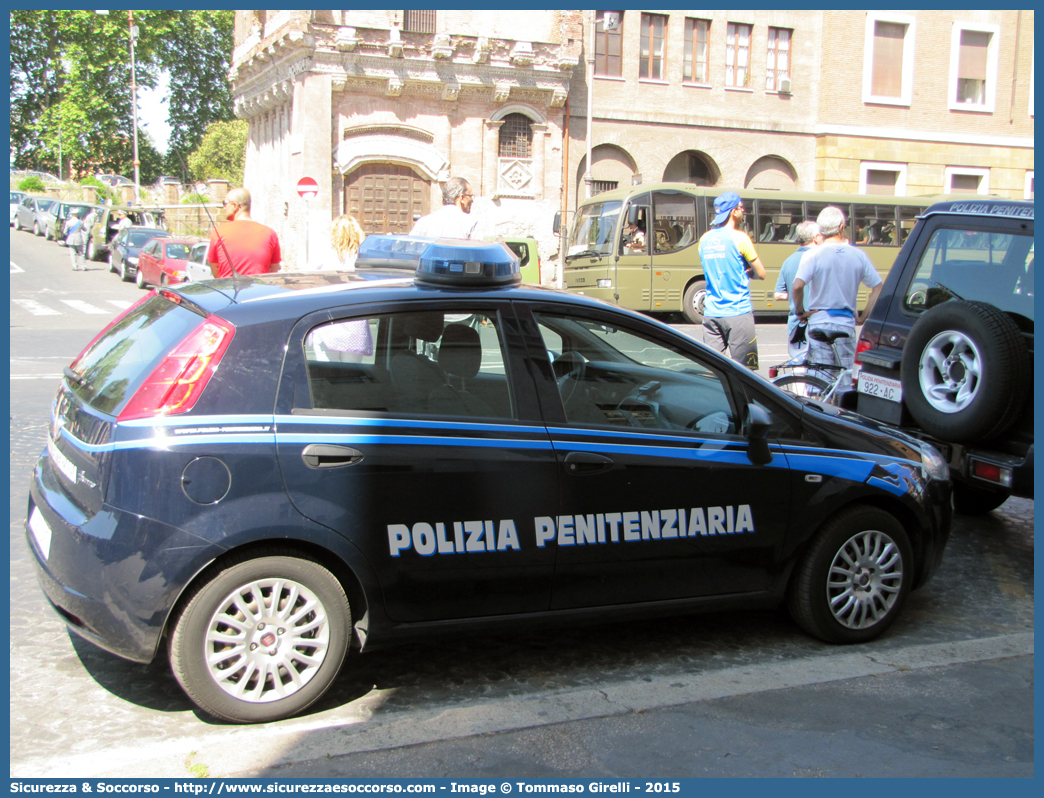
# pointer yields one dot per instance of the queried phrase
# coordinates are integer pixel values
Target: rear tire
(112, 266)
(124, 274)
(262, 639)
(854, 578)
(692, 304)
(139, 279)
(802, 385)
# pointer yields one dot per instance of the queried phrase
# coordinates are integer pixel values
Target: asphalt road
(947, 692)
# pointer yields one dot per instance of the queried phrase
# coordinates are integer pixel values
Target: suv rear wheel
(966, 371)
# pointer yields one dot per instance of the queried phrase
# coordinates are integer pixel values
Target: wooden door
(384, 197)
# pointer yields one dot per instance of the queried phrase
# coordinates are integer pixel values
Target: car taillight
(112, 324)
(863, 345)
(178, 381)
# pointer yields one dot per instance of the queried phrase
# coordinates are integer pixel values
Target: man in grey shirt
(832, 273)
(808, 236)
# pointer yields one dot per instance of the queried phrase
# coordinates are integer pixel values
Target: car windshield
(178, 251)
(593, 228)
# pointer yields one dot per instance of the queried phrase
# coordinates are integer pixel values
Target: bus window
(813, 209)
(777, 221)
(674, 221)
(907, 220)
(875, 225)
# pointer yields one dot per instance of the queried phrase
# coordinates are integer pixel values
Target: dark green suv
(947, 353)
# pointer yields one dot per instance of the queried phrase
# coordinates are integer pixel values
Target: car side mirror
(758, 423)
(556, 225)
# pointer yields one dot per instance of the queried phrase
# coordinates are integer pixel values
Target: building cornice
(910, 134)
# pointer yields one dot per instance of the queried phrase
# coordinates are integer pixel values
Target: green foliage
(70, 85)
(222, 153)
(105, 192)
(195, 198)
(31, 185)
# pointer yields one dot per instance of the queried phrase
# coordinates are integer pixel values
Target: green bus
(665, 276)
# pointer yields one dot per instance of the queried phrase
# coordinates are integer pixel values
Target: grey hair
(831, 220)
(806, 231)
(454, 187)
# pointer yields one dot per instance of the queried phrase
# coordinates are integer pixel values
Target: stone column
(491, 151)
(218, 190)
(540, 135)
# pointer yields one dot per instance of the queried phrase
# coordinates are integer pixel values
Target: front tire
(692, 304)
(263, 639)
(854, 578)
(36, 228)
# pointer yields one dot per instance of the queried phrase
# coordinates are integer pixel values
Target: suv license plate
(881, 387)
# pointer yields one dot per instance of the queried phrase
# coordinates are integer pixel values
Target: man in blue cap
(729, 263)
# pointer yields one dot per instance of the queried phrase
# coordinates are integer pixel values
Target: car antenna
(214, 227)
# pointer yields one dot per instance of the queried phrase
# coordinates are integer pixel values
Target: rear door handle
(582, 463)
(327, 455)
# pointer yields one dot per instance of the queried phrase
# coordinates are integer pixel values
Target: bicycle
(810, 384)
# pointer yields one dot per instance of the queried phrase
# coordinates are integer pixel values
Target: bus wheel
(692, 305)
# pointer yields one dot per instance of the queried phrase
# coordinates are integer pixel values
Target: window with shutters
(777, 64)
(654, 31)
(696, 67)
(418, 21)
(737, 55)
(966, 180)
(888, 53)
(887, 179)
(609, 43)
(973, 67)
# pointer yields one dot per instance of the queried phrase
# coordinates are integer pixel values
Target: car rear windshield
(138, 238)
(179, 251)
(115, 365)
(980, 265)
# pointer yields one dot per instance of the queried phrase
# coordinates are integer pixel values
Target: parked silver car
(30, 214)
(16, 200)
(197, 267)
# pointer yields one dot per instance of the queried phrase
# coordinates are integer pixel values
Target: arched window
(516, 137)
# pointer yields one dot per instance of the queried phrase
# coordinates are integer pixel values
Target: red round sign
(308, 188)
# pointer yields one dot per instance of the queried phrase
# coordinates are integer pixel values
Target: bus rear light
(178, 381)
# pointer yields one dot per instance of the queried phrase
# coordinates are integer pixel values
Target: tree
(222, 153)
(70, 84)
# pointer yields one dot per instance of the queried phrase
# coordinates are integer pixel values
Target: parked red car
(163, 261)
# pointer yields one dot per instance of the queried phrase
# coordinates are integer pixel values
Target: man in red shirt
(248, 246)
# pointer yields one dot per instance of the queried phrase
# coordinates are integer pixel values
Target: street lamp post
(134, 109)
(134, 105)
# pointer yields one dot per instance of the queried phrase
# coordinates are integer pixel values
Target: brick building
(382, 106)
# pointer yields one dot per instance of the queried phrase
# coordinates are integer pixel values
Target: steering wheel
(569, 368)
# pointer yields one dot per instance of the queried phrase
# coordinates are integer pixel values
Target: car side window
(610, 376)
(426, 363)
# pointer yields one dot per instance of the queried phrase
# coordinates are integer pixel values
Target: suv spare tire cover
(966, 371)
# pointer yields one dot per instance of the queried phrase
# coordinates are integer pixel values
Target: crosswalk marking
(15, 268)
(36, 308)
(122, 304)
(85, 307)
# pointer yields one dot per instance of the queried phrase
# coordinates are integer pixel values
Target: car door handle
(583, 463)
(326, 455)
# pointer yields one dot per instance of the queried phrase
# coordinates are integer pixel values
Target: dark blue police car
(258, 473)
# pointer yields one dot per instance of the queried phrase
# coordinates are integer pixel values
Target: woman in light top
(347, 341)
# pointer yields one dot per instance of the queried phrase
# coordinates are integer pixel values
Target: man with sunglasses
(241, 244)
(453, 219)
